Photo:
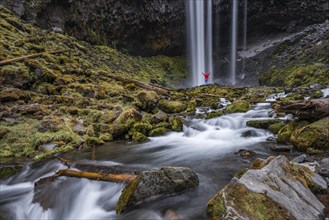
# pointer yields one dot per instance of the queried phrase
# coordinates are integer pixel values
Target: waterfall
(245, 20)
(234, 40)
(200, 39)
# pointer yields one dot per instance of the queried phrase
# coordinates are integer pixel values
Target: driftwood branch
(89, 167)
(88, 175)
(307, 110)
(17, 59)
(153, 87)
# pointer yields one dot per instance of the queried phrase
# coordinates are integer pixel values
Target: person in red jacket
(206, 77)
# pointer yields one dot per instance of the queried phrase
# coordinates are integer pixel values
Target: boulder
(284, 133)
(263, 124)
(148, 100)
(281, 147)
(238, 106)
(270, 189)
(314, 135)
(171, 106)
(155, 182)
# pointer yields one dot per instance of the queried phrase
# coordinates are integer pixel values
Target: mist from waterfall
(234, 33)
(200, 40)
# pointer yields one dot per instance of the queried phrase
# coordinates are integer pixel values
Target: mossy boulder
(315, 135)
(284, 134)
(139, 137)
(263, 124)
(176, 123)
(158, 132)
(142, 127)
(156, 182)
(124, 122)
(276, 127)
(148, 100)
(214, 114)
(16, 75)
(169, 106)
(238, 106)
(272, 189)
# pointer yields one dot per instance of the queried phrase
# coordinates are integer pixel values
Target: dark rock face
(147, 27)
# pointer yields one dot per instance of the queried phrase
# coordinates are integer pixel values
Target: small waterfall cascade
(234, 36)
(245, 28)
(200, 39)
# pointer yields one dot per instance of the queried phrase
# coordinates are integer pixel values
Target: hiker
(206, 77)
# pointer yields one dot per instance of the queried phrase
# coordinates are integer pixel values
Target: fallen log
(88, 175)
(3, 62)
(153, 87)
(313, 109)
(89, 167)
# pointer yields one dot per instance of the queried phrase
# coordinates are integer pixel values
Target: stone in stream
(299, 159)
(271, 189)
(155, 182)
(281, 147)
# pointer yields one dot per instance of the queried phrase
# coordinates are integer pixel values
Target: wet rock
(159, 117)
(281, 147)
(155, 182)
(250, 133)
(48, 147)
(245, 153)
(79, 128)
(324, 167)
(299, 159)
(277, 188)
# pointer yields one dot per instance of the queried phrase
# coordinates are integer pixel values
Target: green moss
(7, 171)
(240, 173)
(264, 124)
(276, 127)
(139, 137)
(238, 106)
(176, 124)
(216, 207)
(285, 133)
(315, 135)
(142, 127)
(214, 114)
(126, 196)
(171, 106)
(49, 154)
(158, 132)
(91, 141)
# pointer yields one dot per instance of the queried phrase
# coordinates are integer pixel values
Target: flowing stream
(206, 146)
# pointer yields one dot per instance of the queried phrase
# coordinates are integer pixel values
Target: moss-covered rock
(158, 132)
(263, 124)
(171, 106)
(142, 127)
(139, 137)
(148, 100)
(214, 114)
(276, 127)
(285, 133)
(315, 135)
(238, 106)
(176, 123)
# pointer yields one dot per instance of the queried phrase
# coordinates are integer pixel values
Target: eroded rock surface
(275, 189)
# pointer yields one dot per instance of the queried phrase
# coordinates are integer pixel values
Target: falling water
(245, 15)
(234, 40)
(200, 39)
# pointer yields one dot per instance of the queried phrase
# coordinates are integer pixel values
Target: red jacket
(206, 75)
